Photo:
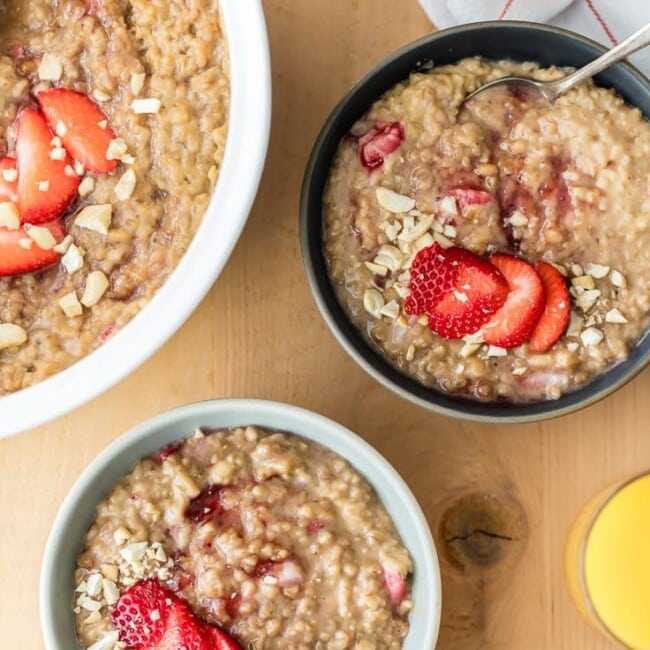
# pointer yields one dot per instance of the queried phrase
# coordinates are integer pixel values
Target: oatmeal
(555, 200)
(154, 75)
(272, 539)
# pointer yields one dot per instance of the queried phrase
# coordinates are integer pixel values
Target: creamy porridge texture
(158, 71)
(269, 538)
(513, 184)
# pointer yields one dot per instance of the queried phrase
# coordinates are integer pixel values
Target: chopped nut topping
(449, 231)
(107, 642)
(110, 590)
(469, 349)
(44, 186)
(377, 269)
(79, 169)
(126, 185)
(56, 141)
(73, 259)
(150, 105)
(575, 324)
(518, 219)
(71, 308)
(61, 129)
(576, 270)
(100, 95)
(572, 346)
(90, 604)
(94, 617)
(495, 351)
(116, 149)
(591, 336)
(597, 271)
(95, 217)
(390, 309)
(442, 240)
(86, 186)
(102, 124)
(41, 236)
(390, 257)
(96, 286)
(410, 353)
(25, 243)
(373, 301)
(615, 316)
(10, 175)
(394, 202)
(69, 171)
(58, 154)
(519, 371)
(448, 205)
(121, 535)
(11, 335)
(618, 279)
(587, 299)
(583, 282)
(93, 584)
(137, 82)
(9, 216)
(418, 230)
(50, 68)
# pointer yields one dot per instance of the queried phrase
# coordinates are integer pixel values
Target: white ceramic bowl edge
(246, 146)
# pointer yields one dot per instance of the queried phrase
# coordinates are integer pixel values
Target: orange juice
(608, 562)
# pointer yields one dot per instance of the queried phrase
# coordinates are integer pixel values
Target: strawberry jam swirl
(242, 538)
(499, 248)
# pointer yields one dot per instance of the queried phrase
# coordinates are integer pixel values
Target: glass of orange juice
(608, 562)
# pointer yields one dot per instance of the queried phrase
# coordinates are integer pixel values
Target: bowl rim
(371, 360)
(161, 429)
(227, 213)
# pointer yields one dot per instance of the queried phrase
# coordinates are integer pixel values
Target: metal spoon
(551, 90)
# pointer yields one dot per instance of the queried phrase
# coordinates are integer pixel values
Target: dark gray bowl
(519, 41)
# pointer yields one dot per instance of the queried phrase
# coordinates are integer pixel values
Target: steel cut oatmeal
(113, 119)
(264, 538)
(498, 249)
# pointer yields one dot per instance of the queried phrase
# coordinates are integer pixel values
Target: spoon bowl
(551, 90)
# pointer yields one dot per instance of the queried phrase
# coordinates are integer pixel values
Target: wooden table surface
(258, 334)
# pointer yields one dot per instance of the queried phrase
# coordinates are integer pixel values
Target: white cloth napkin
(606, 21)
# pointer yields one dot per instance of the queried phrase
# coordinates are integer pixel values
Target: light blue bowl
(78, 509)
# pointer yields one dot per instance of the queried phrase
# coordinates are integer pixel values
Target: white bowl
(78, 509)
(248, 135)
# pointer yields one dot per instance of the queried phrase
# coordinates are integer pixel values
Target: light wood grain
(258, 334)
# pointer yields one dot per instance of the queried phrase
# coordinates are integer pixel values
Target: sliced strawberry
(132, 614)
(15, 258)
(396, 585)
(207, 505)
(8, 189)
(466, 197)
(183, 631)
(380, 141)
(513, 324)
(45, 190)
(456, 289)
(315, 525)
(83, 135)
(219, 639)
(555, 318)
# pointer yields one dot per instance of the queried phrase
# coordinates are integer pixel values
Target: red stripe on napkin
(601, 20)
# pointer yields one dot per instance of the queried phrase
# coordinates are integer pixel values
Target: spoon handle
(631, 44)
